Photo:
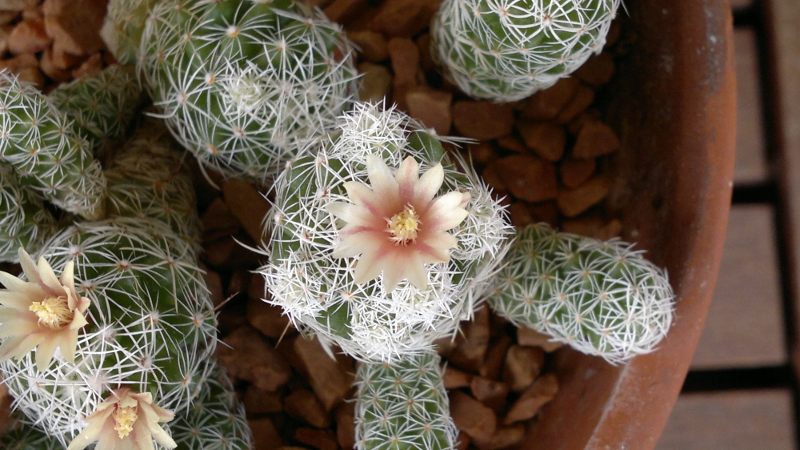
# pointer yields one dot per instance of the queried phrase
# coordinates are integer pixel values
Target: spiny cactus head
(24, 220)
(601, 298)
(344, 204)
(506, 51)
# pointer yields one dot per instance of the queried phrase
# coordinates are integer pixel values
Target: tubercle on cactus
(24, 220)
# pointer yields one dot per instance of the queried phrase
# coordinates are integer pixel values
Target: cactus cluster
(506, 51)
(242, 84)
(312, 271)
(24, 221)
(601, 298)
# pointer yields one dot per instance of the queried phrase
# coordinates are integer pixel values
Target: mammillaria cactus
(601, 298)
(47, 155)
(149, 324)
(24, 221)
(436, 238)
(506, 51)
(244, 84)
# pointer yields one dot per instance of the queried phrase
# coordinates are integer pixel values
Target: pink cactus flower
(45, 312)
(127, 420)
(397, 226)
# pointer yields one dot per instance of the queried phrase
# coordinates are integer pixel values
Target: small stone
(520, 214)
(75, 24)
(90, 67)
(17, 5)
(532, 338)
(522, 366)
(546, 104)
(572, 202)
(597, 70)
(546, 139)
(331, 379)
(404, 55)
(610, 230)
(259, 401)
(302, 404)
(527, 406)
(462, 441)
(319, 439)
(544, 212)
(504, 437)
(425, 56)
(266, 318)
(469, 354)
(256, 289)
(247, 204)
(489, 392)
(372, 46)
(481, 152)
(265, 436)
(583, 226)
(528, 177)
(31, 75)
(483, 119)
(218, 221)
(7, 17)
(28, 37)
(471, 416)
(214, 283)
(376, 82)
(50, 70)
(510, 142)
(431, 107)
(403, 18)
(249, 356)
(584, 96)
(345, 425)
(454, 378)
(63, 59)
(595, 139)
(492, 365)
(575, 171)
(492, 177)
(341, 11)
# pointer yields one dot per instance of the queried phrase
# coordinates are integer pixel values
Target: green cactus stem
(601, 298)
(24, 221)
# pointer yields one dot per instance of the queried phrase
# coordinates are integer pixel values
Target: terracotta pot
(675, 109)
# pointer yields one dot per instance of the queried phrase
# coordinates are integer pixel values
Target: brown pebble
(302, 404)
(469, 354)
(345, 425)
(584, 96)
(331, 379)
(546, 104)
(89, 68)
(520, 214)
(492, 365)
(249, 356)
(575, 171)
(214, 283)
(28, 37)
(63, 59)
(218, 221)
(482, 119)
(403, 18)
(546, 139)
(528, 177)
(372, 46)
(513, 143)
(471, 416)
(572, 202)
(527, 406)
(259, 401)
(50, 70)
(404, 56)
(17, 5)
(489, 392)
(590, 115)
(505, 436)
(431, 107)
(75, 24)
(247, 204)
(341, 11)
(7, 17)
(454, 378)
(31, 75)
(319, 439)
(17, 63)
(610, 230)
(267, 319)
(426, 61)
(376, 82)
(462, 441)
(595, 139)
(265, 436)
(532, 338)
(522, 366)
(597, 70)
(481, 152)
(545, 212)
(584, 226)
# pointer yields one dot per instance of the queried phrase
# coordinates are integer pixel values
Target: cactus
(244, 84)
(214, 421)
(506, 51)
(24, 221)
(601, 298)
(40, 144)
(403, 405)
(149, 324)
(101, 106)
(312, 274)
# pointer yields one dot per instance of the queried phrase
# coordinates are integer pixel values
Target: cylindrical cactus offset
(403, 405)
(101, 106)
(244, 84)
(214, 421)
(39, 142)
(506, 51)
(601, 298)
(149, 324)
(429, 244)
(24, 221)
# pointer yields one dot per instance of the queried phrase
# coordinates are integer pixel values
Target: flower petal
(407, 177)
(370, 264)
(363, 196)
(359, 243)
(44, 353)
(429, 184)
(29, 267)
(15, 300)
(17, 326)
(352, 214)
(49, 278)
(417, 273)
(445, 212)
(380, 178)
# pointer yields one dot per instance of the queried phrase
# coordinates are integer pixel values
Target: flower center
(403, 226)
(124, 418)
(53, 312)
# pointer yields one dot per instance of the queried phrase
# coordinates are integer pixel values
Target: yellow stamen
(124, 418)
(403, 226)
(53, 312)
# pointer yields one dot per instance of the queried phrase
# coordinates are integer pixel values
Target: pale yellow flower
(44, 312)
(126, 420)
(397, 226)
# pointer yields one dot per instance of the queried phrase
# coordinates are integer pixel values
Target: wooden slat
(745, 323)
(739, 420)
(751, 162)
(783, 17)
